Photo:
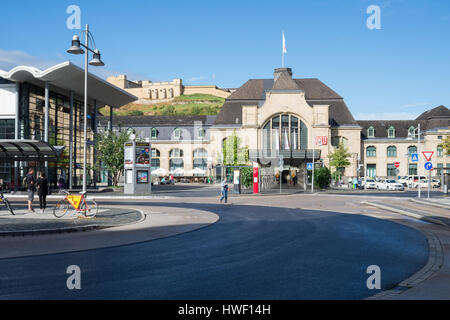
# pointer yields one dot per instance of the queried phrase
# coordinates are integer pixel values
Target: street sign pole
(314, 167)
(418, 163)
(429, 183)
(281, 170)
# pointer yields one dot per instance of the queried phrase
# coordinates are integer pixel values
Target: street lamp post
(96, 62)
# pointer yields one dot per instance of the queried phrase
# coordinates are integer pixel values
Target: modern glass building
(49, 106)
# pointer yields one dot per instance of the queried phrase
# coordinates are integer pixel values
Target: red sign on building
(321, 141)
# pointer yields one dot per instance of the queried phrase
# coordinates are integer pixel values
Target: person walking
(42, 189)
(31, 187)
(224, 189)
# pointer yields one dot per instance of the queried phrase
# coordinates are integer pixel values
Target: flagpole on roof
(283, 51)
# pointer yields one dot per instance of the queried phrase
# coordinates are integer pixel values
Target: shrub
(322, 177)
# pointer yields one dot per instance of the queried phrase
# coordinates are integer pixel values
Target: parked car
(414, 180)
(424, 183)
(368, 183)
(403, 180)
(390, 184)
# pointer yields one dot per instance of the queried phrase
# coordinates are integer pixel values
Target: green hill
(195, 104)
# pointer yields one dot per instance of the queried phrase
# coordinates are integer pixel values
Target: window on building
(155, 153)
(439, 168)
(371, 132)
(411, 150)
(371, 170)
(154, 133)
(391, 132)
(177, 133)
(201, 133)
(285, 132)
(335, 141)
(411, 132)
(176, 153)
(371, 152)
(391, 170)
(392, 152)
(440, 152)
(7, 129)
(175, 164)
(412, 169)
(200, 161)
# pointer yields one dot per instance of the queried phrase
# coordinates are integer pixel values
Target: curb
(406, 213)
(92, 227)
(434, 263)
(431, 203)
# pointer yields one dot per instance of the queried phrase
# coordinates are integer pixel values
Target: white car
(390, 184)
(424, 183)
(403, 180)
(369, 183)
(413, 181)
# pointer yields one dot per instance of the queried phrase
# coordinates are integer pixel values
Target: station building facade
(285, 123)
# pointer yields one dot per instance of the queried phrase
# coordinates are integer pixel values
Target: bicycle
(6, 202)
(89, 208)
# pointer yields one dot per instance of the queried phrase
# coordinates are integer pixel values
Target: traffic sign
(428, 166)
(428, 155)
(309, 166)
(414, 157)
(397, 164)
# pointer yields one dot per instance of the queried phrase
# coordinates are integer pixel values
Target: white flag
(284, 44)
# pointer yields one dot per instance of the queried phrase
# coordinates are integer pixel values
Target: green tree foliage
(235, 155)
(322, 177)
(446, 145)
(110, 152)
(339, 159)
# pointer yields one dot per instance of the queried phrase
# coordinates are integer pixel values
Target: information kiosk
(137, 168)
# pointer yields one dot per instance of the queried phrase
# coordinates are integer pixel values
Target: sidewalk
(160, 222)
(433, 210)
(36, 223)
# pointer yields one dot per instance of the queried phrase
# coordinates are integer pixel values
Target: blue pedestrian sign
(309, 166)
(414, 157)
(428, 166)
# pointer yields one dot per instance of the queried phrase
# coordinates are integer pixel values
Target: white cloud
(195, 79)
(387, 116)
(11, 59)
(415, 105)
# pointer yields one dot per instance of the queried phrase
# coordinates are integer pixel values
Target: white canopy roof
(70, 77)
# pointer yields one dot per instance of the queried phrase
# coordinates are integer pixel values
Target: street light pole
(96, 61)
(86, 66)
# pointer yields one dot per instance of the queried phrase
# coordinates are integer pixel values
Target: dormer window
(371, 132)
(411, 132)
(177, 133)
(201, 133)
(391, 132)
(154, 133)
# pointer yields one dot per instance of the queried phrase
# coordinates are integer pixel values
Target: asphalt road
(253, 252)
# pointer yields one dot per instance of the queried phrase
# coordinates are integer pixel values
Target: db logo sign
(321, 141)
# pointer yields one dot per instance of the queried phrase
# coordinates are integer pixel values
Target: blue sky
(393, 73)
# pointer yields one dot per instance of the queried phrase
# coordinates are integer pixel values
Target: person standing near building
(224, 189)
(42, 189)
(31, 187)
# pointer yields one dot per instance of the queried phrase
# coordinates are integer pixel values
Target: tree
(446, 145)
(110, 152)
(339, 159)
(235, 155)
(322, 177)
